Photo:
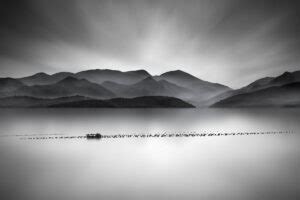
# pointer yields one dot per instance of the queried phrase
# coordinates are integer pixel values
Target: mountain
(147, 87)
(257, 85)
(69, 86)
(60, 76)
(25, 101)
(104, 84)
(7, 85)
(45, 79)
(97, 76)
(138, 102)
(276, 96)
(285, 78)
(187, 80)
(263, 83)
(202, 89)
(117, 88)
(100, 76)
(129, 84)
(37, 79)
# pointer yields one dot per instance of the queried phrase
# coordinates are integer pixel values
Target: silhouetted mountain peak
(40, 78)
(62, 75)
(40, 74)
(287, 73)
(178, 73)
(110, 71)
(101, 75)
(141, 72)
(97, 71)
(258, 84)
(287, 77)
(278, 96)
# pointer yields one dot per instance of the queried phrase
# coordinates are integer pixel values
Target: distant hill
(189, 81)
(100, 76)
(96, 76)
(102, 84)
(138, 102)
(117, 88)
(263, 83)
(106, 83)
(148, 87)
(38, 79)
(202, 90)
(285, 78)
(7, 85)
(277, 96)
(69, 86)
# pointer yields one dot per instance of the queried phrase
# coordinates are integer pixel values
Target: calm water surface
(234, 167)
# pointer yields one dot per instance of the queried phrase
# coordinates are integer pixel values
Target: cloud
(231, 41)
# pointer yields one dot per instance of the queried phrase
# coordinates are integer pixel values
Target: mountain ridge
(287, 95)
(259, 84)
(107, 84)
(67, 87)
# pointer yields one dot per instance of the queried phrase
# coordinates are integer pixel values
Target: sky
(232, 42)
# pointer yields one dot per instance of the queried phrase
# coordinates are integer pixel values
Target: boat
(93, 136)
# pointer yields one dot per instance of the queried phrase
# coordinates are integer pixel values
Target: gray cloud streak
(232, 41)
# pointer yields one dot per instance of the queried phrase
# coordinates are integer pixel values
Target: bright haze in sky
(232, 42)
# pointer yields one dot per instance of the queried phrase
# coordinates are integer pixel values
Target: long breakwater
(194, 134)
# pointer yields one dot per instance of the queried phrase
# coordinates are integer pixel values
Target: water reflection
(254, 167)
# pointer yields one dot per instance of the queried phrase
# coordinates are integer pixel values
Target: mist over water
(76, 53)
(232, 167)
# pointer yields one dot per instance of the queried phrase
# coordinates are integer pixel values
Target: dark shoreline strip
(161, 135)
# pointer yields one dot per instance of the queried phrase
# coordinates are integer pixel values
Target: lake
(233, 167)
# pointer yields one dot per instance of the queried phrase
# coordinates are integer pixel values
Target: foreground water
(232, 167)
